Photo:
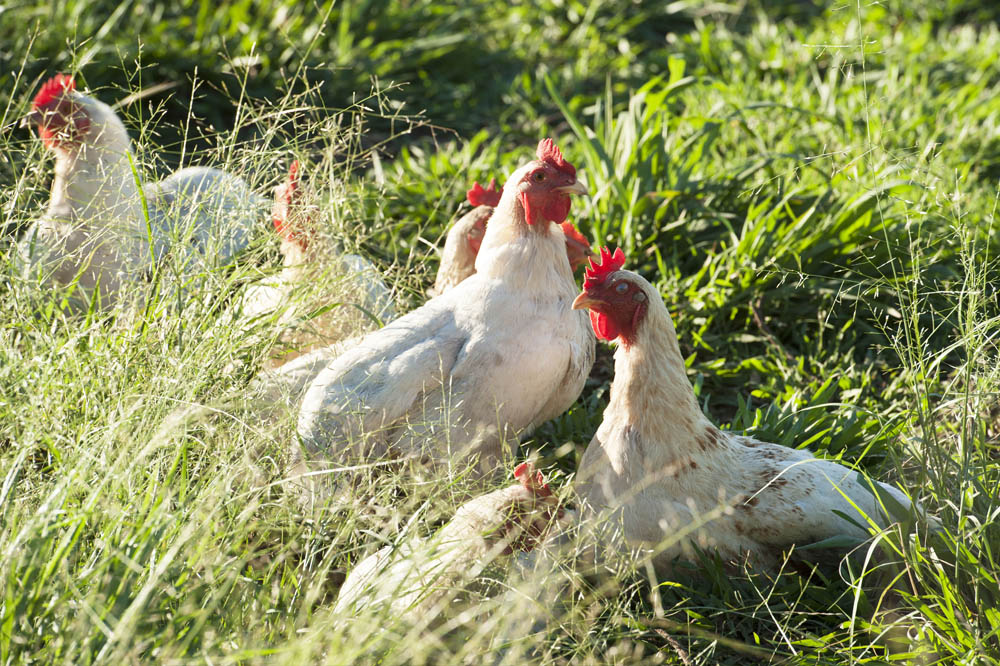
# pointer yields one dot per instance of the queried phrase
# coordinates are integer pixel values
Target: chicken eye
(538, 176)
(621, 287)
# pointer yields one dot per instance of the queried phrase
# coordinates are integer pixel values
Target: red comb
(53, 89)
(572, 233)
(490, 196)
(288, 195)
(610, 263)
(532, 479)
(549, 152)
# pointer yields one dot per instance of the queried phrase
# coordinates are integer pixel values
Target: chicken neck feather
(651, 392)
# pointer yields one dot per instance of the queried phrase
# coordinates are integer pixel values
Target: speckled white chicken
(659, 467)
(469, 371)
(415, 580)
(95, 231)
(314, 278)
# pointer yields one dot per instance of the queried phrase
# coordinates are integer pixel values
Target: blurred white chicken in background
(95, 232)
(320, 297)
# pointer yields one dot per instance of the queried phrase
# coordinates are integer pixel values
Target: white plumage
(473, 368)
(666, 477)
(461, 245)
(95, 231)
(320, 297)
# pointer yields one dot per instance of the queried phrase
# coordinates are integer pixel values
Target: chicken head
(478, 196)
(617, 302)
(59, 115)
(529, 510)
(545, 187)
(286, 199)
(577, 246)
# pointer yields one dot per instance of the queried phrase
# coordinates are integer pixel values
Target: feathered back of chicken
(419, 579)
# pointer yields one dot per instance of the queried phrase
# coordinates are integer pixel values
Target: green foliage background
(813, 188)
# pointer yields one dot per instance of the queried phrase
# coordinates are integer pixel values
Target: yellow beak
(33, 118)
(575, 188)
(584, 302)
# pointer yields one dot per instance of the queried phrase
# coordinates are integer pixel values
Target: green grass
(813, 189)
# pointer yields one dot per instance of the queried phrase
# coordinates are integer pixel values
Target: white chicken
(320, 297)
(95, 232)
(473, 368)
(668, 477)
(417, 579)
(282, 387)
(461, 246)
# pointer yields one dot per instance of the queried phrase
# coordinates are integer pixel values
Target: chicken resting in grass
(474, 368)
(95, 233)
(662, 472)
(315, 294)
(418, 578)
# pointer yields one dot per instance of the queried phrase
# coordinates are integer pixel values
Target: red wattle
(529, 216)
(474, 243)
(603, 327)
(557, 208)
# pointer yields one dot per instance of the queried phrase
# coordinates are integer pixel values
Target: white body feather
(667, 477)
(286, 384)
(205, 215)
(95, 230)
(458, 259)
(498, 354)
(321, 296)
(349, 287)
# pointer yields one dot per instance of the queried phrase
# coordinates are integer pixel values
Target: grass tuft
(813, 189)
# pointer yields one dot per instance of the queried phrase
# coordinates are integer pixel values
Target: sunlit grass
(814, 193)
